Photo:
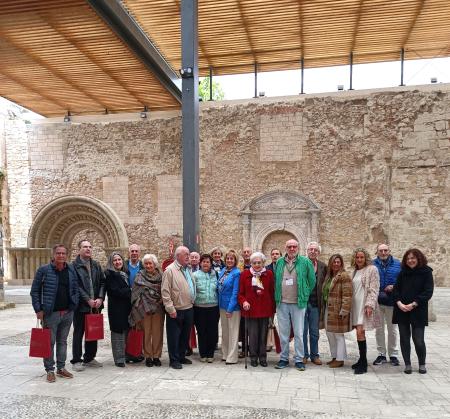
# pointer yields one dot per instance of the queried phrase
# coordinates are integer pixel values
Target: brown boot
(336, 364)
(329, 362)
(316, 361)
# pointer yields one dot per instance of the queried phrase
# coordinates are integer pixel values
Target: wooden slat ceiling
(234, 34)
(58, 56)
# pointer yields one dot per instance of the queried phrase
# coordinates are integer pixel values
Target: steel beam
(124, 26)
(189, 106)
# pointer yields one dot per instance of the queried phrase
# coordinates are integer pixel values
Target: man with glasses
(294, 281)
(388, 268)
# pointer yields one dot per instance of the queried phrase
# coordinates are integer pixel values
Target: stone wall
(375, 163)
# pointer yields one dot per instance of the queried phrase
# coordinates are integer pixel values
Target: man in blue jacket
(54, 295)
(388, 268)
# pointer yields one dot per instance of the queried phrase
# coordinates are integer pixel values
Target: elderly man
(91, 285)
(312, 313)
(133, 265)
(245, 263)
(294, 281)
(178, 295)
(194, 261)
(274, 255)
(388, 268)
(54, 294)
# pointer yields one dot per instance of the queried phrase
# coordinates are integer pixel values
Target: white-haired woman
(256, 297)
(147, 312)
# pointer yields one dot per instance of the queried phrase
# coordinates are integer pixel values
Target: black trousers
(257, 337)
(206, 321)
(90, 347)
(178, 331)
(418, 336)
(242, 334)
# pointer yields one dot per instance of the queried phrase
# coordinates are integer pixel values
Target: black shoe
(408, 369)
(394, 361)
(356, 364)
(362, 368)
(120, 364)
(134, 359)
(149, 362)
(263, 363)
(189, 352)
(156, 362)
(176, 365)
(186, 361)
(381, 359)
(422, 369)
(254, 363)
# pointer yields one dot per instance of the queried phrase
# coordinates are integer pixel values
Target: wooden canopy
(58, 56)
(276, 34)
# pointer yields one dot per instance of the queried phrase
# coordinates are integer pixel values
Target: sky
(320, 80)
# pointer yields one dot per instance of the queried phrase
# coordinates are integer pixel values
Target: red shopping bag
(192, 338)
(93, 327)
(277, 340)
(135, 339)
(40, 342)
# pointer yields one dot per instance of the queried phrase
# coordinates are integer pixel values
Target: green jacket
(306, 279)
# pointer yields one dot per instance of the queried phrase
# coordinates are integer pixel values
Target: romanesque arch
(280, 211)
(61, 219)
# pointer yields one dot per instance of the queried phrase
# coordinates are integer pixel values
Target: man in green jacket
(294, 281)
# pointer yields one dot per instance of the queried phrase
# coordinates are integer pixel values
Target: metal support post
(210, 83)
(190, 143)
(402, 62)
(351, 71)
(256, 79)
(302, 63)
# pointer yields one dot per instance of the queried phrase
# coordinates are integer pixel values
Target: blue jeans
(59, 323)
(287, 314)
(311, 326)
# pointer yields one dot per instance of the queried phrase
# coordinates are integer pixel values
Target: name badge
(290, 281)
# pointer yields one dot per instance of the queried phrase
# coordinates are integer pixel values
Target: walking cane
(246, 341)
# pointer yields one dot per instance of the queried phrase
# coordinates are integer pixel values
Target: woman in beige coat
(336, 309)
(365, 312)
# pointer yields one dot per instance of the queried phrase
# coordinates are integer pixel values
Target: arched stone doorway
(276, 239)
(277, 216)
(68, 218)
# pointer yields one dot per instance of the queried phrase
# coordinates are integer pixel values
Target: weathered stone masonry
(363, 166)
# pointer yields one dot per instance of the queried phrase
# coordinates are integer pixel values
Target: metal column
(190, 163)
(351, 71)
(210, 83)
(256, 79)
(302, 63)
(402, 62)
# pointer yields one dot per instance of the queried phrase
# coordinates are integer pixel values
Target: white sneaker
(94, 363)
(78, 366)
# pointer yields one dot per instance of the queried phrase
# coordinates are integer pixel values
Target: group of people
(202, 290)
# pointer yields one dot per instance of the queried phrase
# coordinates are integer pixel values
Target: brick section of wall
(170, 210)
(281, 137)
(46, 152)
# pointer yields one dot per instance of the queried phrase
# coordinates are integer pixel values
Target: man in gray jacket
(91, 284)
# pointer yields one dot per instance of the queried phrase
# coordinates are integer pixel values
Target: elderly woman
(147, 311)
(256, 297)
(365, 315)
(119, 306)
(412, 291)
(217, 254)
(206, 309)
(230, 315)
(336, 309)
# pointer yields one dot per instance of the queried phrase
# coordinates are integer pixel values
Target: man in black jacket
(91, 283)
(54, 295)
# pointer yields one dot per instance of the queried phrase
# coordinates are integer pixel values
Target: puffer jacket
(206, 287)
(388, 276)
(45, 285)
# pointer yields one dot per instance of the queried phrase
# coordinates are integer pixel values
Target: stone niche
(273, 218)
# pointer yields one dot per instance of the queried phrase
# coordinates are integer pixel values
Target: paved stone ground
(216, 390)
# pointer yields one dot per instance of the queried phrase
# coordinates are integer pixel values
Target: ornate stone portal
(279, 215)
(61, 221)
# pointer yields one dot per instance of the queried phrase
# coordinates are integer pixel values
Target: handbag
(135, 340)
(276, 338)
(192, 339)
(93, 326)
(40, 342)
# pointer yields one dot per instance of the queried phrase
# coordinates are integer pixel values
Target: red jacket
(262, 303)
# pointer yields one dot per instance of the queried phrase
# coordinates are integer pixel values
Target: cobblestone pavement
(215, 390)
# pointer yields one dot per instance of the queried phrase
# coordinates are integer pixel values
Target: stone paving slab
(217, 390)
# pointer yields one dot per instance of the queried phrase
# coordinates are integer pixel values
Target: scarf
(256, 278)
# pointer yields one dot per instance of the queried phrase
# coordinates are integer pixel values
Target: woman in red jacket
(256, 297)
